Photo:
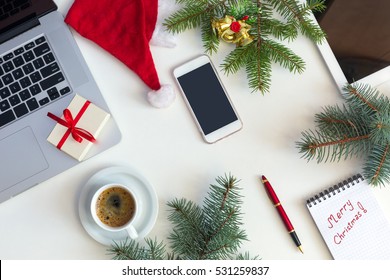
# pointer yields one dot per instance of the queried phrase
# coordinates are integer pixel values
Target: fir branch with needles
(273, 23)
(359, 128)
(211, 232)
(132, 250)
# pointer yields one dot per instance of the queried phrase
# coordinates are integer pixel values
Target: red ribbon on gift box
(77, 133)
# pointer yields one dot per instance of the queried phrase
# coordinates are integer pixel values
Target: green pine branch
(360, 128)
(258, 69)
(377, 168)
(223, 220)
(284, 56)
(210, 232)
(193, 14)
(327, 147)
(380, 126)
(132, 250)
(298, 15)
(187, 219)
(270, 20)
(241, 8)
(237, 59)
(362, 98)
(279, 30)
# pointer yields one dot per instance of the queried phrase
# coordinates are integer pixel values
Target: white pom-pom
(163, 97)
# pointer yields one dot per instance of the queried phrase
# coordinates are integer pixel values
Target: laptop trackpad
(21, 157)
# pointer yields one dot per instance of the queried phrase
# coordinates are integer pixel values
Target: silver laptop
(41, 69)
(357, 49)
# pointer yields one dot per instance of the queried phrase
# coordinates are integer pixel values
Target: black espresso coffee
(115, 206)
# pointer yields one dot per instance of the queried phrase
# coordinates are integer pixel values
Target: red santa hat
(125, 28)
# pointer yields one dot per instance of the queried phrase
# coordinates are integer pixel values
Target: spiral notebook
(351, 221)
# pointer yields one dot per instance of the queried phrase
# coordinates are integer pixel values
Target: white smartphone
(207, 99)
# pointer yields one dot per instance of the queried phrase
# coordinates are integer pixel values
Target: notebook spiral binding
(332, 191)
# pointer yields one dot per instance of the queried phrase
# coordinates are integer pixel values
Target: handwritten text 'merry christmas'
(348, 221)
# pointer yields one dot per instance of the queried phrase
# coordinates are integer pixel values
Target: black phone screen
(207, 98)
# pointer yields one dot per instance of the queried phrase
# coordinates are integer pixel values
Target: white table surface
(165, 146)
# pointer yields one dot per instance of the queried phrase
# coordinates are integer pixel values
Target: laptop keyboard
(30, 77)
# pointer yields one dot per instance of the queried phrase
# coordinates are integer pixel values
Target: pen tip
(300, 249)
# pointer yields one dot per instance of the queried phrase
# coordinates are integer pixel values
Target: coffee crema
(115, 206)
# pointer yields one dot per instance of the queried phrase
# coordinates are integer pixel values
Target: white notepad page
(351, 221)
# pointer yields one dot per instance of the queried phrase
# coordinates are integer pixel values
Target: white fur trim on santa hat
(163, 97)
(161, 37)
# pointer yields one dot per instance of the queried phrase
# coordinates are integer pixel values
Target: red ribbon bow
(77, 133)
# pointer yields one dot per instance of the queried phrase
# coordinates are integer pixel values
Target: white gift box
(87, 117)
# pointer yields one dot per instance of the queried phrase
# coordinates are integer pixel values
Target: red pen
(275, 200)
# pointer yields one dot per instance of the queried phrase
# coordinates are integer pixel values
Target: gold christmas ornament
(231, 30)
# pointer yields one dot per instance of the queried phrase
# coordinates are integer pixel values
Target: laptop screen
(14, 12)
(358, 32)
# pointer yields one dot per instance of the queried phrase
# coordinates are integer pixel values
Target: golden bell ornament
(243, 37)
(220, 25)
(231, 30)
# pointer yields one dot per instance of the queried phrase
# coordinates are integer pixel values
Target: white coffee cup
(116, 202)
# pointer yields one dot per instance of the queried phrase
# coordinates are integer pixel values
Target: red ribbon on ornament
(77, 133)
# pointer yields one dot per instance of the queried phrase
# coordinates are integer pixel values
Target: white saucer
(148, 208)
